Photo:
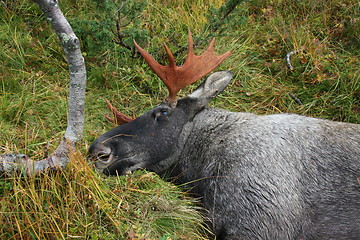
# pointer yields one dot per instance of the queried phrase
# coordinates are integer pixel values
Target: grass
(78, 203)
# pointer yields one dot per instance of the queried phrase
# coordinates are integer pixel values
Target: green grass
(34, 90)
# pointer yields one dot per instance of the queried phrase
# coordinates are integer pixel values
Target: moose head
(151, 140)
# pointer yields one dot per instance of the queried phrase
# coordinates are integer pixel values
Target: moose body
(281, 176)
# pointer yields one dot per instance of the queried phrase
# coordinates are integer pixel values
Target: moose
(280, 176)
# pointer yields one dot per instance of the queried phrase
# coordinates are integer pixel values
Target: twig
(120, 8)
(287, 58)
(297, 100)
(229, 6)
(119, 26)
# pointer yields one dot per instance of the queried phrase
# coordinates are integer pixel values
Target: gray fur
(281, 176)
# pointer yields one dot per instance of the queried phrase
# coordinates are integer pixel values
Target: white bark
(10, 163)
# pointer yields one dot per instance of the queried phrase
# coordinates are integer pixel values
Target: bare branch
(119, 8)
(71, 46)
(288, 55)
(119, 26)
(297, 100)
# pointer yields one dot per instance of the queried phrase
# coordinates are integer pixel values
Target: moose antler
(194, 68)
(176, 77)
(119, 118)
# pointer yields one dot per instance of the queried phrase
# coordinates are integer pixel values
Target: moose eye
(160, 113)
(163, 112)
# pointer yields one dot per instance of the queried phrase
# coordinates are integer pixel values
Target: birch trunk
(10, 163)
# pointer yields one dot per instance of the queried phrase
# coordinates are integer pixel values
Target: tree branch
(10, 163)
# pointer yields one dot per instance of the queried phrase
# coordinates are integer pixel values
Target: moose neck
(209, 125)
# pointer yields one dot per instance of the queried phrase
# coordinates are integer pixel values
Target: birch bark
(10, 163)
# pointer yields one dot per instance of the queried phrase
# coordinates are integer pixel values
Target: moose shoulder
(281, 176)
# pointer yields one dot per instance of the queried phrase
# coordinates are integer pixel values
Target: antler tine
(119, 118)
(190, 44)
(211, 45)
(170, 55)
(149, 59)
(194, 68)
(165, 73)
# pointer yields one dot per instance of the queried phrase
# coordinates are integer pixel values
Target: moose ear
(211, 87)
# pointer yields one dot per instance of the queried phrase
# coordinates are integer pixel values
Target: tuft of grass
(78, 203)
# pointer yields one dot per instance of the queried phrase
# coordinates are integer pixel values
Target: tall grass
(79, 203)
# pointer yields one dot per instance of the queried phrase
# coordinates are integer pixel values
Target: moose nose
(103, 156)
(100, 153)
(103, 153)
(100, 156)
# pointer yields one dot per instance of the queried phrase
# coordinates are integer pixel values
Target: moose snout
(100, 155)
